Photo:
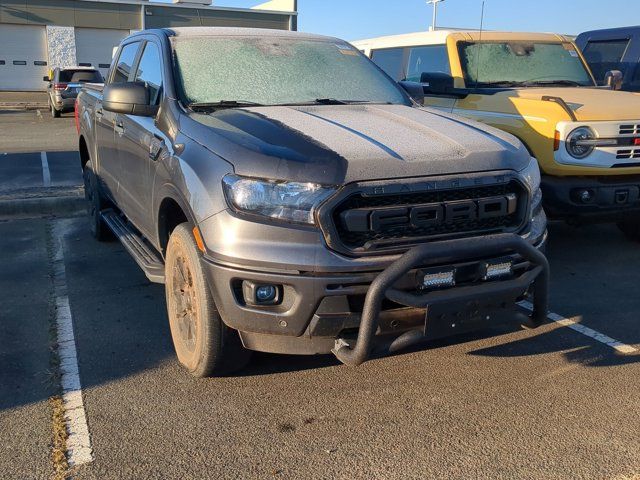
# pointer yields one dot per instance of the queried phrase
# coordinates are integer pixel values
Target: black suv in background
(65, 84)
(613, 49)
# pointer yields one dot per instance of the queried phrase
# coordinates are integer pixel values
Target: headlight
(531, 175)
(286, 201)
(580, 142)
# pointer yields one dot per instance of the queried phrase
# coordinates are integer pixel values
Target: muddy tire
(205, 346)
(631, 229)
(95, 203)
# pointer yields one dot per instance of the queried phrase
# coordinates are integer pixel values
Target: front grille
(630, 129)
(627, 154)
(397, 237)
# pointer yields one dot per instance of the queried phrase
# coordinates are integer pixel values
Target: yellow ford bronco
(538, 88)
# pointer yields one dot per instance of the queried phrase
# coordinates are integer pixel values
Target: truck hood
(591, 104)
(346, 143)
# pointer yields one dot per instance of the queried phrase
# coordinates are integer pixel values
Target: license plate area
(446, 319)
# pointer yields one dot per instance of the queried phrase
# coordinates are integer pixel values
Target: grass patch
(59, 439)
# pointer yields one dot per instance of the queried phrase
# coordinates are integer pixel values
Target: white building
(38, 35)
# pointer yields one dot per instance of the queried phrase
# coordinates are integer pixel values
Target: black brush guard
(488, 247)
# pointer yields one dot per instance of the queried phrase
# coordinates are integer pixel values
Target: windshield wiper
(204, 106)
(331, 101)
(568, 83)
(505, 84)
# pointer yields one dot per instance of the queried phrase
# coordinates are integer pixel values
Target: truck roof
(614, 31)
(194, 32)
(439, 37)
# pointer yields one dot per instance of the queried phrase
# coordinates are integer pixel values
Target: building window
(2, 62)
(84, 64)
(104, 65)
(40, 63)
(19, 62)
(391, 60)
(603, 56)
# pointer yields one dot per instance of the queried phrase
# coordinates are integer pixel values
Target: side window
(391, 60)
(150, 71)
(432, 58)
(125, 63)
(606, 55)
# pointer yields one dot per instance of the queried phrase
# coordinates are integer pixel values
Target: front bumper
(610, 198)
(316, 310)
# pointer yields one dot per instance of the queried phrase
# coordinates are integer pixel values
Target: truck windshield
(233, 71)
(517, 64)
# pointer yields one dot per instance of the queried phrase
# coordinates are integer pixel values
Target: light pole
(435, 12)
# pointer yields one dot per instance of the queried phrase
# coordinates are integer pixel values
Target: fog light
(498, 270)
(586, 196)
(439, 279)
(266, 293)
(257, 294)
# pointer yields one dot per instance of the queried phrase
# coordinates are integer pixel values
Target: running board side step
(145, 256)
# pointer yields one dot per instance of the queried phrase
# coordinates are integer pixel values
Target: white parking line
(589, 332)
(46, 174)
(79, 449)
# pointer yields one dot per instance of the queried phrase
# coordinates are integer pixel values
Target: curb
(43, 206)
(23, 106)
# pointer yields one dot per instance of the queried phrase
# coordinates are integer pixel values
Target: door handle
(119, 128)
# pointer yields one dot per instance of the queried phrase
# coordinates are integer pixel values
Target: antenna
(435, 12)
(479, 45)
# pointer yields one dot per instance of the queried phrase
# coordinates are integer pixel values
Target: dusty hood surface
(591, 104)
(346, 143)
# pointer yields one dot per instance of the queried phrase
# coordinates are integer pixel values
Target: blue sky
(354, 19)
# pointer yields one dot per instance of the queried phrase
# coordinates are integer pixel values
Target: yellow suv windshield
(522, 64)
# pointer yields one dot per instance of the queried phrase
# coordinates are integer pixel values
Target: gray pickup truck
(294, 199)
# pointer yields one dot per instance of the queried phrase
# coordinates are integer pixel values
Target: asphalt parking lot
(556, 402)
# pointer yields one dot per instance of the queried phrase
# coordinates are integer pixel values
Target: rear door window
(431, 58)
(605, 55)
(124, 67)
(391, 60)
(149, 71)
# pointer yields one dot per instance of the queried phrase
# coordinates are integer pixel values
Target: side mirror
(436, 83)
(414, 89)
(129, 98)
(46, 79)
(613, 79)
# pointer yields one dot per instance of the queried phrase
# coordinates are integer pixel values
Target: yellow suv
(538, 88)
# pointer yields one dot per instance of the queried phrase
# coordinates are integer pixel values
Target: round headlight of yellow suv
(581, 142)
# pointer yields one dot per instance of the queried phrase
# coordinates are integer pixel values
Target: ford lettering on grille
(371, 220)
(428, 215)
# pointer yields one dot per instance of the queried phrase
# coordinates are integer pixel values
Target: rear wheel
(95, 204)
(631, 228)
(205, 346)
(55, 113)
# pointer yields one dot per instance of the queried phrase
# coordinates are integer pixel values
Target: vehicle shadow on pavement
(574, 347)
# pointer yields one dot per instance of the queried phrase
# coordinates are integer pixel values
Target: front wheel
(631, 228)
(205, 346)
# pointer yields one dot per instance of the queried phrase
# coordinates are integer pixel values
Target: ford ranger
(537, 87)
(294, 199)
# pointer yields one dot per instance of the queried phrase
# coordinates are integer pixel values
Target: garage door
(94, 46)
(23, 57)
